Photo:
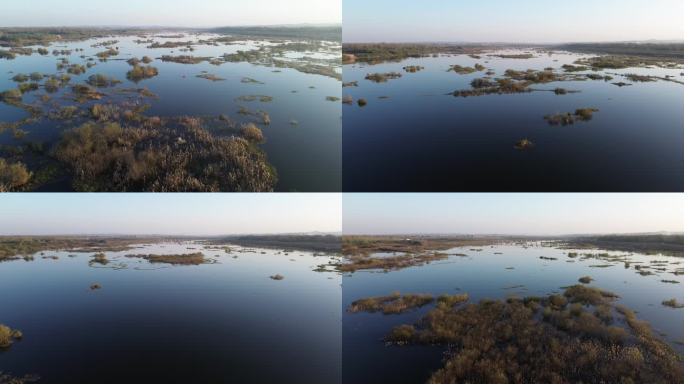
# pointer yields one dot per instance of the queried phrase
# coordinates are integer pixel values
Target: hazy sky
(516, 214)
(188, 13)
(178, 214)
(512, 20)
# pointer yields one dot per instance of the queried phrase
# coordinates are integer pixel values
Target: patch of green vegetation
(497, 341)
(392, 304)
(574, 68)
(141, 72)
(170, 44)
(639, 78)
(277, 277)
(13, 176)
(362, 102)
(560, 91)
(332, 98)
(669, 281)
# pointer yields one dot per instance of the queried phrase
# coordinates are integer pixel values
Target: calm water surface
(419, 138)
(484, 274)
(306, 155)
(213, 323)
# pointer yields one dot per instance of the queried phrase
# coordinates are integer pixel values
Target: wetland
(513, 309)
(168, 309)
(572, 118)
(181, 110)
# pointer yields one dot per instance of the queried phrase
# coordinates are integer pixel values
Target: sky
(530, 21)
(512, 214)
(168, 214)
(171, 13)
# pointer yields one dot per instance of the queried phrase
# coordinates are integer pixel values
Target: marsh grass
(141, 72)
(8, 336)
(196, 258)
(543, 340)
(13, 176)
(673, 303)
(383, 77)
(391, 305)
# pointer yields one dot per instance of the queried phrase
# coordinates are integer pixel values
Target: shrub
(142, 72)
(13, 176)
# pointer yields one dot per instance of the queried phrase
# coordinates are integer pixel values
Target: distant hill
(328, 33)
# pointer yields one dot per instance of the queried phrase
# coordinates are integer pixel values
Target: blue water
(221, 322)
(485, 275)
(307, 156)
(423, 139)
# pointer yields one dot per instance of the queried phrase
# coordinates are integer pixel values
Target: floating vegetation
(669, 281)
(524, 144)
(249, 80)
(8, 336)
(104, 55)
(141, 72)
(586, 280)
(362, 102)
(350, 84)
(413, 68)
(332, 98)
(574, 68)
(392, 304)
(383, 77)
(13, 176)
(582, 114)
(673, 303)
(639, 78)
(361, 262)
(171, 44)
(462, 70)
(84, 93)
(179, 259)
(560, 91)
(502, 87)
(209, 76)
(11, 96)
(102, 81)
(76, 69)
(543, 339)
(521, 56)
(7, 55)
(277, 277)
(95, 286)
(99, 258)
(251, 98)
(184, 59)
(20, 78)
(346, 99)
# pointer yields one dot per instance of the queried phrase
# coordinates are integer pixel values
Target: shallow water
(221, 322)
(484, 274)
(421, 138)
(307, 156)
